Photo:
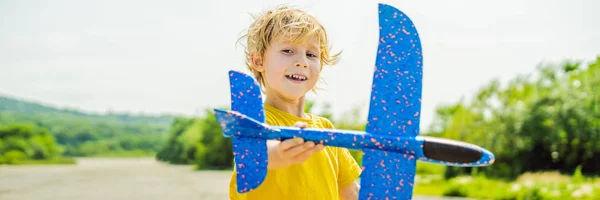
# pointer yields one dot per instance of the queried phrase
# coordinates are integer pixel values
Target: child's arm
(290, 151)
(350, 192)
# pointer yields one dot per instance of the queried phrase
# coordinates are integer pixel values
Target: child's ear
(257, 63)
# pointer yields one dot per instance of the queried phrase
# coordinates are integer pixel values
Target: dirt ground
(114, 179)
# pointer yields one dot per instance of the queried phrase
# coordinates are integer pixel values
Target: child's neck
(294, 107)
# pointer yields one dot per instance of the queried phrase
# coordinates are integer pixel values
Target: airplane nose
(451, 151)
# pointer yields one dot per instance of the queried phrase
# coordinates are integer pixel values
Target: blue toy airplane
(391, 141)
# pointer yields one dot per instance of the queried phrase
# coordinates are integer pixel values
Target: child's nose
(300, 65)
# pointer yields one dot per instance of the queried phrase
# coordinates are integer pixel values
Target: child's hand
(291, 151)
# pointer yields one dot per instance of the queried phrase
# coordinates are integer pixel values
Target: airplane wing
(395, 106)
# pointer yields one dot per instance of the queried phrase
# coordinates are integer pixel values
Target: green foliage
(217, 151)
(13, 156)
(81, 134)
(198, 141)
(430, 168)
(428, 184)
(548, 123)
(578, 176)
(53, 161)
(180, 147)
(19, 142)
(528, 186)
(478, 187)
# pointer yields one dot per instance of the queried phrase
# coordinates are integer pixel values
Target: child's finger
(320, 147)
(295, 151)
(301, 124)
(290, 143)
(307, 153)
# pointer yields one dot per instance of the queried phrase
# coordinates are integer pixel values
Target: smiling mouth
(296, 77)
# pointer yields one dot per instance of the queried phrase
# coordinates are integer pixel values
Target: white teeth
(302, 78)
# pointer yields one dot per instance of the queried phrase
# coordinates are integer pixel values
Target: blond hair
(294, 25)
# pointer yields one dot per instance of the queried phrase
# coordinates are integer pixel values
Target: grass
(540, 185)
(67, 160)
(429, 180)
(125, 154)
(60, 161)
(428, 188)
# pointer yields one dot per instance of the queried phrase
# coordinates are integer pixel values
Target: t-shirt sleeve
(326, 123)
(349, 170)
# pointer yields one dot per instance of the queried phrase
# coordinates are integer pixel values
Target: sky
(172, 57)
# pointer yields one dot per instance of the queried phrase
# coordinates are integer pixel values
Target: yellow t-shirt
(319, 177)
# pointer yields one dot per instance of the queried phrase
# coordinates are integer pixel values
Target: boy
(286, 49)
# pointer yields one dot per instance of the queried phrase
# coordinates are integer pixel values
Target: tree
(548, 123)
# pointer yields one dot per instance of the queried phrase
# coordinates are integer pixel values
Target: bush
(19, 142)
(13, 156)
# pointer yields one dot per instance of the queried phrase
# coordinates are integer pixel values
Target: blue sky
(173, 56)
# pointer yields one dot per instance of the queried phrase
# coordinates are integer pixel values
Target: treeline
(77, 134)
(547, 120)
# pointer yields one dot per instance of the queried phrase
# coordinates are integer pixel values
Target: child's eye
(311, 55)
(287, 51)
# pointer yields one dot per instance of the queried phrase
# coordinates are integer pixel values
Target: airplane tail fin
(250, 155)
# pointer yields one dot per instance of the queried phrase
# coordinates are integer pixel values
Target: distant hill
(13, 105)
(85, 134)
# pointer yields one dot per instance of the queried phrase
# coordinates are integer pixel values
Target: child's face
(291, 70)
